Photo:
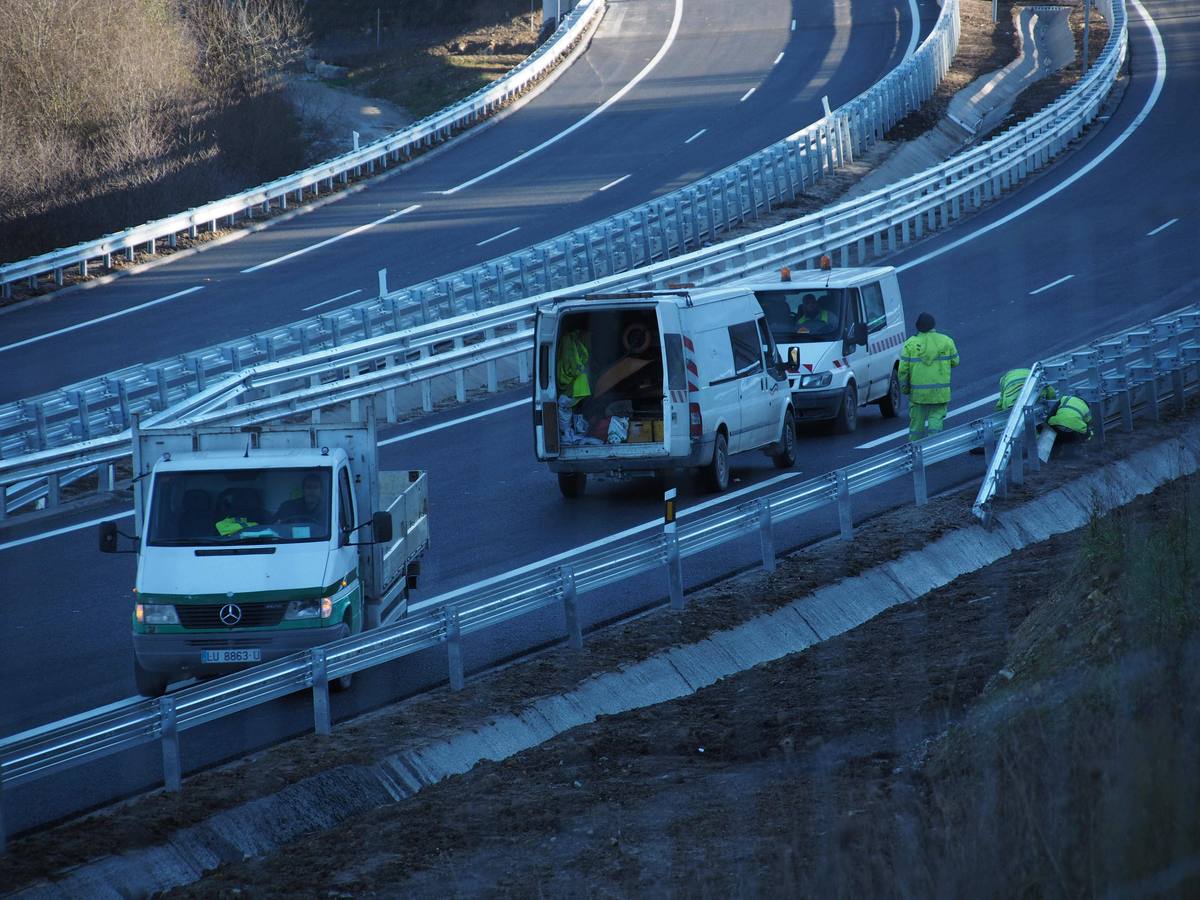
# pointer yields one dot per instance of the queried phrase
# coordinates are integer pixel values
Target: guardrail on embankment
(682, 221)
(389, 151)
(1129, 374)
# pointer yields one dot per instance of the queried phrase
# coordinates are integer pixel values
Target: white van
(644, 383)
(845, 351)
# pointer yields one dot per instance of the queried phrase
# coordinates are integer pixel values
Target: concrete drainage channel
(336, 794)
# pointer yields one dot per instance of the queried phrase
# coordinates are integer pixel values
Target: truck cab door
(545, 387)
(345, 559)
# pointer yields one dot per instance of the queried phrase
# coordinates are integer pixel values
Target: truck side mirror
(108, 537)
(381, 527)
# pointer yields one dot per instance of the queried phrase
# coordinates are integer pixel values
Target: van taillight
(694, 420)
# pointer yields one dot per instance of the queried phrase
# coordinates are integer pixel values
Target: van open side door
(545, 386)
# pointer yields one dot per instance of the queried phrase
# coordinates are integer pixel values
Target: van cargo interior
(621, 399)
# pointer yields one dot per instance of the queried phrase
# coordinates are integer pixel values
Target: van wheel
(847, 417)
(718, 469)
(786, 457)
(149, 684)
(889, 403)
(572, 484)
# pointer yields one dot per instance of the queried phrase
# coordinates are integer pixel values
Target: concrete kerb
(335, 795)
(244, 229)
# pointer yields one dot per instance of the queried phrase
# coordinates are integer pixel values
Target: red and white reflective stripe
(690, 364)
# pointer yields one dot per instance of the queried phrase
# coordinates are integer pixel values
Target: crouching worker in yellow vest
(1071, 419)
(925, 363)
(1011, 383)
(573, 355)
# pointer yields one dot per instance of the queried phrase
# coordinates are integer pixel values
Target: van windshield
(803, 316)
(261, 506)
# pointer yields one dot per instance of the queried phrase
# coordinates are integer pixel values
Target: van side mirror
(858, 333)
(381, 527)
(108, 537)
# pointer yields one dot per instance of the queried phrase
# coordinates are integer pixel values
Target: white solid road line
(696, 135)
(649, 67)
(1046, 287)
(604, 541)
(331, 300)
(1163, 227)
(502, 234)
(957, 411)
(96, 321)
(453, 422)
(615, 183)
(1160, 79)
(916, 28)
(746, 96)
(33, 538)
(333, 240)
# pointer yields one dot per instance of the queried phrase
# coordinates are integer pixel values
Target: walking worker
(1071, 419)
(925, 363)
(1011, 383)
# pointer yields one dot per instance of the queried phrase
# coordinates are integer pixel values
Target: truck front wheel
(149, 684)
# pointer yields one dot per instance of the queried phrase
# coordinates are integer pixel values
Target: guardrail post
(845, 521)
(489, 334)
(920, 490)
(460, 378)
(164, 389)
(454, 649)
(766, 534)
(1031, 441)
(169, 732)
(570, 608)
(671, 545)
(320, 691)
(79, 398)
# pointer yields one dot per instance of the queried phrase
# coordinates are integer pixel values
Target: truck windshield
(803, 316)
(239, 506)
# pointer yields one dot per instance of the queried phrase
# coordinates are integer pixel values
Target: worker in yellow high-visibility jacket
(925, 363)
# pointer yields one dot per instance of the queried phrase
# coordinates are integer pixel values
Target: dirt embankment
(1028, 730)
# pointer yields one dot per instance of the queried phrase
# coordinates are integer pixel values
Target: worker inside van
(815, 317)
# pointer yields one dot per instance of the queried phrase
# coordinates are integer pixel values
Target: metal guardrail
(857, 231)
(682, 221)
(1120, 377)
(1133, 372)
(391, 150)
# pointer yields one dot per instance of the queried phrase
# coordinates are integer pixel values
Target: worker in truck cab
(812, 318)
(308, 507)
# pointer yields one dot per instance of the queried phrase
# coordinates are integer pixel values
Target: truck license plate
(249, 654)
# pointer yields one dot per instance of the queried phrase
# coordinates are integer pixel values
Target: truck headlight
(316, 608)
(819, 379)
(156, 614)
